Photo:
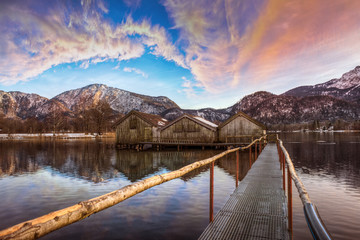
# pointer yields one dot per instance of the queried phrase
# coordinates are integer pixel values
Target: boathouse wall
(188, 130)
(133, 130)
(240, 128)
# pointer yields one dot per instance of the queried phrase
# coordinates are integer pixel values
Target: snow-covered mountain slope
(275, 109)
(119, 100)
(214, 115)
(70, 103)
(22, 105)
(347, 88)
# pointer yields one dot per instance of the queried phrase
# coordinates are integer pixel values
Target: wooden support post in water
(250, 157)
(290, 203)
(211, 216)
(237, 168)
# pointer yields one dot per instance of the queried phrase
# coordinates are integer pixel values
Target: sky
(198, 53)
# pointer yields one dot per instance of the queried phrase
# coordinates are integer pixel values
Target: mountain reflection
(93, 161)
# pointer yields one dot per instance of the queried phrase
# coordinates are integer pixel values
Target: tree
(33, 125)
(100, 115)
(56, 119)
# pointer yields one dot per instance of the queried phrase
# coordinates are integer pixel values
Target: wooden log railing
(312, 216)
(43, 225)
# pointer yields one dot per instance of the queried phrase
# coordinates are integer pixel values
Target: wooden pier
(258, 207)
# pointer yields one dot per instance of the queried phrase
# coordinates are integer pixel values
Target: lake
(37, 177)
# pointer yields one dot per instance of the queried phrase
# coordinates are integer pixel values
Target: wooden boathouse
(139, 130)
(240, 128)
(189, 129)
(136, 127)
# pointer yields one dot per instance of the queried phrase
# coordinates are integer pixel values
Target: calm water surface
(329, 166)
(39, 177)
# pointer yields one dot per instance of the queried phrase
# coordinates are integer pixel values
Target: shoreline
(30, 136)
(314, 131)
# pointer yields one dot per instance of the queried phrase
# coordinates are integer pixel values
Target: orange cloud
(247, 42)
(291, 30)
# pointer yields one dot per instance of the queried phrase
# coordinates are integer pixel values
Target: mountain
(272, 109)
(211, 114)
(23, 105)
(332, 100)
(347, 88)
(119, 100)
(70, 103)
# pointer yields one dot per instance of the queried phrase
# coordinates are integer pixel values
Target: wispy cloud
(190, 88)
(32, 43)
(234, 43)
(116, 67)
(135, 70)
(84, 64)
(132, 3)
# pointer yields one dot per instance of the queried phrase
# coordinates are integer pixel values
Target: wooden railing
(312, 216)
(43, 225)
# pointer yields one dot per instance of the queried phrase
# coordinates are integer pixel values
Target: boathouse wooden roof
(153, 120)
(241, 114)
(199, 120)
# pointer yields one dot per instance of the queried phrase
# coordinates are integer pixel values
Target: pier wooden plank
(257, 209)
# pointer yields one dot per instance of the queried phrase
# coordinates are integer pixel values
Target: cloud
(84, 65)
(232, 43)
(132, 3)
(135, 70)
(190, 88)
(33, 42)
(102, 6)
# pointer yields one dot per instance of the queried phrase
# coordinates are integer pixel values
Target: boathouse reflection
(94, 162)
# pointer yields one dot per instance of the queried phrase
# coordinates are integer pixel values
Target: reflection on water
(330, 154)
(39, 177)
(329, 166)
(91, 160)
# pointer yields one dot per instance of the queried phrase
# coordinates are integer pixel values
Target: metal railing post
(237, 168)
(249, 157)
(211, 213)
(290, 216)
(255, 151)
(259, 147)
(283, 168)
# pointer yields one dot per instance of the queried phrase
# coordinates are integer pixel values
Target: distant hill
(347, 88)
(334, 99)
(274, 109)
(23, 105)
